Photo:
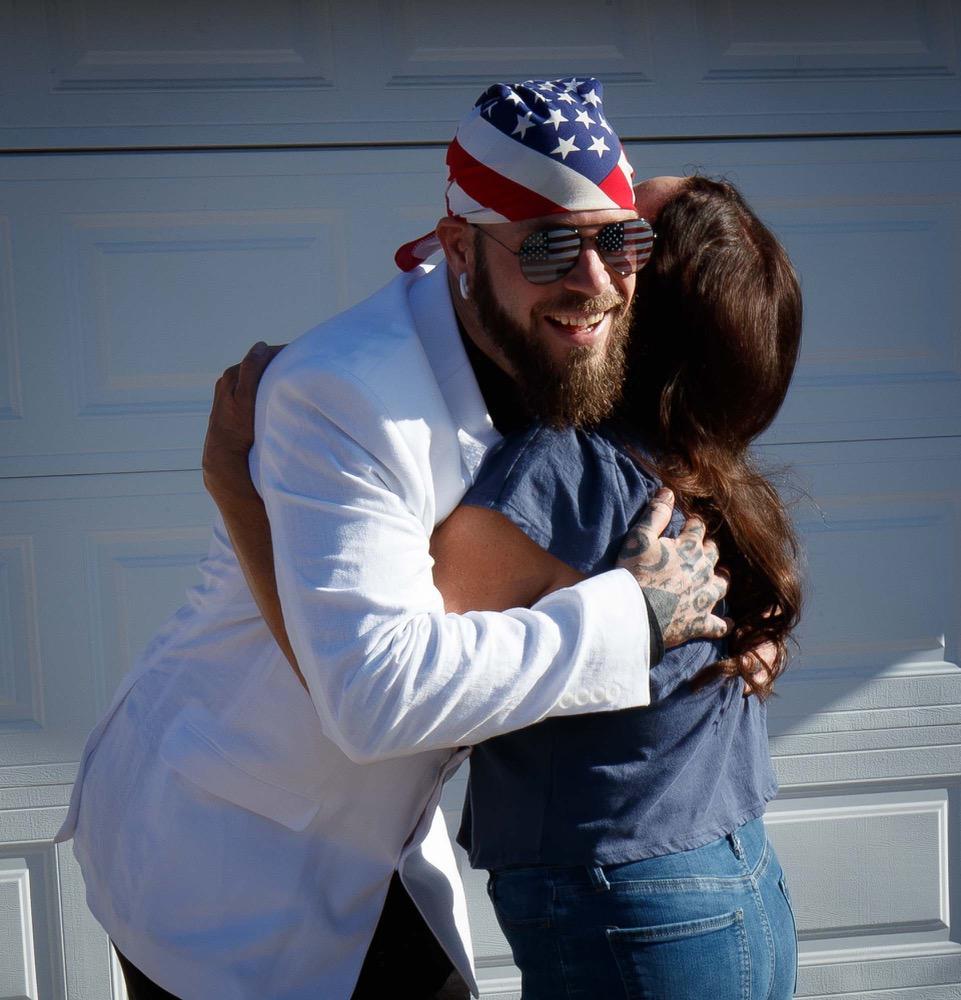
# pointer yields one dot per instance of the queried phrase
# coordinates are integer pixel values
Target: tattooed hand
(230, 430)
(678, 575)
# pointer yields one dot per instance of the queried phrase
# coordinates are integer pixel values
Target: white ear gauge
(462, 284)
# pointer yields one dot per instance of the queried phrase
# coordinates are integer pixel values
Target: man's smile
(579, 329)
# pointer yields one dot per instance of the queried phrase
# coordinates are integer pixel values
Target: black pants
(403, 959)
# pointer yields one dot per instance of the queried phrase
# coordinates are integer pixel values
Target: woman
(626, 851)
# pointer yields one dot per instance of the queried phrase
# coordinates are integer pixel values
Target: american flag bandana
(528, 150)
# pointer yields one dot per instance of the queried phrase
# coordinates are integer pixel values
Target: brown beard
(580, 391)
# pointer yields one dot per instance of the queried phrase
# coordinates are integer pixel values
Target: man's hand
(230, 431)
(678, 576)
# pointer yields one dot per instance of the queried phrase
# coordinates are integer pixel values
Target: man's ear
(457, 239)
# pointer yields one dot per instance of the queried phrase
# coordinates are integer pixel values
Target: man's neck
(500, 392)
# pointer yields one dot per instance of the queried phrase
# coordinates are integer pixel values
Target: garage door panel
(866, 727)
(426, 44)
(869, 878)
(103, 45)
(752, 40)
(92, 566)
(20, 689)
(311, 71)
(879, 521)
(903, 833)
(189, 285)
(135, 310)
(873, 229)
(164, 269)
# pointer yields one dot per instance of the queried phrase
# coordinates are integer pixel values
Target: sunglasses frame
(545, 235)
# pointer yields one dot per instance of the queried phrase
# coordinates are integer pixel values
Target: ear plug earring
(462, 284)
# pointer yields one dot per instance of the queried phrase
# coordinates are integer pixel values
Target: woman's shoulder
(570, 457)
(565, 487)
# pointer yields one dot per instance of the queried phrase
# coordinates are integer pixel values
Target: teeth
(578, 320)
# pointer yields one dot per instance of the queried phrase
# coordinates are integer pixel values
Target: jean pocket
(782, 885)
(520, 903)
(692, 960)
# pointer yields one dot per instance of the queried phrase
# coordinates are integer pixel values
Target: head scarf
(528, 150)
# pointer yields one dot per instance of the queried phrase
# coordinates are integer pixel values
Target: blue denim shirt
(615, 786)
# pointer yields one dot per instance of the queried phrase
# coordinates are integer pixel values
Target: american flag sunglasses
(548, 254)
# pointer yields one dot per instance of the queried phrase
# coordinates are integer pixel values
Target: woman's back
(621, 786)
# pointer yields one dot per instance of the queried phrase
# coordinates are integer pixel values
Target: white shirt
(236, 835)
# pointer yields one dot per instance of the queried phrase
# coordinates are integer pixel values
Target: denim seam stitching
(713, 884)
(745, 957)
(758, 873)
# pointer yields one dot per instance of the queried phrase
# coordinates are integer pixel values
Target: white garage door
(192, 177)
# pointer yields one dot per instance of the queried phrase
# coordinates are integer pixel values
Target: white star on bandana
(584, 118)
(555, 118)
(591, 98)
(599, 146)
(523, 124)
(565, 146)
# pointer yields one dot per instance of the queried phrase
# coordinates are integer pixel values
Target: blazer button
(565, 701)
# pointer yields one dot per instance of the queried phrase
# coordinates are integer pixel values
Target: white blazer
(236, 835)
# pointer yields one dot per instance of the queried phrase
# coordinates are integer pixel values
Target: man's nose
(590, 275)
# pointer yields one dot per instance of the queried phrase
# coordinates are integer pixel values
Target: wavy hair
(717, 329)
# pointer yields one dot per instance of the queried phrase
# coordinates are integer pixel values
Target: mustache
(608, 300)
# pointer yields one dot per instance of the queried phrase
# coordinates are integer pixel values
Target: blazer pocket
(264, 756)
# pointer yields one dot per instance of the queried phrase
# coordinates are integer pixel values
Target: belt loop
(598, 879)
(736, 846)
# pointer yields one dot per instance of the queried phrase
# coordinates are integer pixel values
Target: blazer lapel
(437, 328)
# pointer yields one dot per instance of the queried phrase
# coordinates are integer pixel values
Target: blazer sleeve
(389, 672)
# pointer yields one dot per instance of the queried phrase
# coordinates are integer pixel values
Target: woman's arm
(484, 562)
(230, 435)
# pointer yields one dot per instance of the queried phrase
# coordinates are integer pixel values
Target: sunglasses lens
(626, 246)
(549, 254)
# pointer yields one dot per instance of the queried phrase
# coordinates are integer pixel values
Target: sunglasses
(549, 254)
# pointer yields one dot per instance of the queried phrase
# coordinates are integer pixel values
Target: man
(238, 830)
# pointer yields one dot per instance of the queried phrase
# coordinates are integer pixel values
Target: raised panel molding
(849, 552)
(872, 336)
(157, 45)
(20, 674)
(428, 46)
(879, 521)
(18, 971)
(868, 870)
(31, 955)
(153, 294)
(132, 573)
(10, 391)
(750, 40)
(95, 74)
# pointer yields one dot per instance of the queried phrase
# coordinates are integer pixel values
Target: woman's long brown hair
(716, 335)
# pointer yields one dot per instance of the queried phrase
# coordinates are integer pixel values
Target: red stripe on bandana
(494, 190)
(618, 188)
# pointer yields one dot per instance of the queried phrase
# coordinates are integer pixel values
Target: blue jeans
(714, 923)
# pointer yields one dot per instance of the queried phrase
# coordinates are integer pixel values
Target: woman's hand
(230, 430)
